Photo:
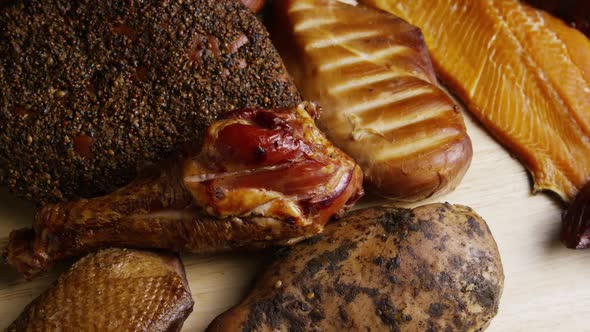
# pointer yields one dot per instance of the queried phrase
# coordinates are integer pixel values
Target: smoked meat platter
(546, 286)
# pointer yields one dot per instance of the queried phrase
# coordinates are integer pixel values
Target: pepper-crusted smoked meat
(113, 290)
(92, 90)
(262, 178)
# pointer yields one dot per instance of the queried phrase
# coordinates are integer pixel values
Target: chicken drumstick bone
(262, 178)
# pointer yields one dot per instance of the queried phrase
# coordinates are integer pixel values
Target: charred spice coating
(374, 270)
(90, 91)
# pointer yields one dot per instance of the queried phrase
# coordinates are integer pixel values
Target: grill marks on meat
(113, 290)
(372, 74)
(209, 201)
(507, 61)
(92, 90)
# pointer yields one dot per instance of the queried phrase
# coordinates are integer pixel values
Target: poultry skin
(113, 290)
(261, 178)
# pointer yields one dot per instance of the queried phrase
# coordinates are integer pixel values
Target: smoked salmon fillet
(381, 102)
(523, 73)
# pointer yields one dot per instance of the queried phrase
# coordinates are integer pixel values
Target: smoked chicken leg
(261, 178)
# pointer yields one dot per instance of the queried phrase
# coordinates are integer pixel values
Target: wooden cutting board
(547, 287)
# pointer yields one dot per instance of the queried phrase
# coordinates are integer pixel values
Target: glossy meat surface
(113, 290)
(372, 75)
(273, 164)
(261, 178)
(522, 72)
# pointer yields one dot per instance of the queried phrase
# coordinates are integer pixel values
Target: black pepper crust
(92, 90)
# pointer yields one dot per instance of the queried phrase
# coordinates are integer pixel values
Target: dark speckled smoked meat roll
(90, 91)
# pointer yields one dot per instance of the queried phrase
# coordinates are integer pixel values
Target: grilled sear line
(372, 75)
(523, 73)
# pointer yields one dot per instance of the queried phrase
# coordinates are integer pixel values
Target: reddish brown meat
(262, 178)
(254, 5)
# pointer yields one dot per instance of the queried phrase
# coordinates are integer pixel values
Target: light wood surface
(547, 287)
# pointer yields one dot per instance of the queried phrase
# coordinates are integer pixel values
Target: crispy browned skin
(92, 90)
(113, 290)
(262, 178)
(371, 73)
(433, 268)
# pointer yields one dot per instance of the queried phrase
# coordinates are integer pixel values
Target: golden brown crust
(435, 172)
(496, 57)
(382, 104)
(436, 267)
(113, 290)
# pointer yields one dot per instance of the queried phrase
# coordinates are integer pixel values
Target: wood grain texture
(546, 286)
